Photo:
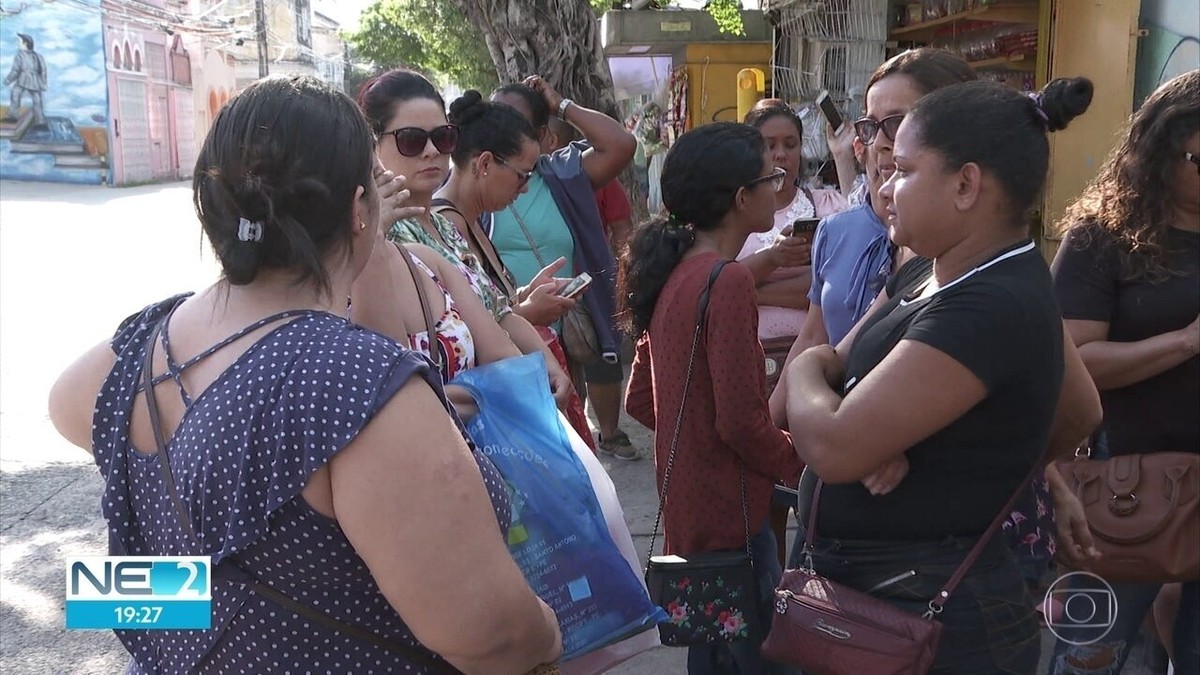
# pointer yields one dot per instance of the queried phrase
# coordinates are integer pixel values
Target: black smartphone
(804, 226)
(830, 111)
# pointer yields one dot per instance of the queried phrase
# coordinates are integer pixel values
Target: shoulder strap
(440, 204)
(491, 258)
(497, 268)
(181, 515)
(160, 441)
(435, 346)
(537, 252)
(701, 312)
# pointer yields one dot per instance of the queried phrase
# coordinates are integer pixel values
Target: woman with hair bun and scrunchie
(719, 186)
(974, 349)
(350, 524)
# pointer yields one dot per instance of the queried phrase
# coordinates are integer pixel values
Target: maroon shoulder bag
(829, 628)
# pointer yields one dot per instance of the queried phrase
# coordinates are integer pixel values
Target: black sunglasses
(410, 141)
(776, 177)
(1194, 159)
(867, 128)
(522, 176)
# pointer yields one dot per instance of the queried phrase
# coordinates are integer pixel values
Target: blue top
(244, 450)
(546, 227)
(851, 261)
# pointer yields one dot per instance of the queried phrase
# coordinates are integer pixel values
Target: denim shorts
(988, 624)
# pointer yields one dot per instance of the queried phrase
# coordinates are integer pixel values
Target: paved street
(74, 260)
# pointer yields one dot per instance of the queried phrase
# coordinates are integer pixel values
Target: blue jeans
(1131, 602)
(742, 658)
(988, 624)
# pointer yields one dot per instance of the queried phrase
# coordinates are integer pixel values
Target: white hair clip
(250, 230)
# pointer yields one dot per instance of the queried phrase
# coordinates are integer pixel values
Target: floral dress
(453, 335)
(451, 245)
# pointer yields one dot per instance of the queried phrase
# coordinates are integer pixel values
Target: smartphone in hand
(576, 286)
(804, 227)
(830, 111)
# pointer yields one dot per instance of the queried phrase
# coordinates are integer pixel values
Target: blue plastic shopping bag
(558, 535)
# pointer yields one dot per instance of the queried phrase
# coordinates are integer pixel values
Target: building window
(303, 22)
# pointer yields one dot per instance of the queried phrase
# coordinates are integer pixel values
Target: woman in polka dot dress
(310, 456)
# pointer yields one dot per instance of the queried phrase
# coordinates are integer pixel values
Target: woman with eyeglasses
(415, 141)
(1127, 277)
(852, 255)
(719, 185)
(557, 217)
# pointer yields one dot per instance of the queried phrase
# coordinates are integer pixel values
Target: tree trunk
(557, 39)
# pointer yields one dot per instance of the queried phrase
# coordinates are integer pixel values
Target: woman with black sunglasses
(415, 141)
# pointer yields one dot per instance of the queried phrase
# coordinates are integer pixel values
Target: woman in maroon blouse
(719, 186)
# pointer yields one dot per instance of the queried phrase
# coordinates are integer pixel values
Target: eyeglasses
(867, 128)
(1194, 159)
(522, 176)
(776, 178)
(410, 141)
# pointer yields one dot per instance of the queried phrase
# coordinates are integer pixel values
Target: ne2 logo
(139, 593)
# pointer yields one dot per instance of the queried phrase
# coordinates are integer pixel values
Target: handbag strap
(435, 345)
(939, 600)
(497, 269)
(185, 522)
(537, 252)
(701, 311)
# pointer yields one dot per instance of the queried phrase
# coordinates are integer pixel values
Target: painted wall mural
(54, 97)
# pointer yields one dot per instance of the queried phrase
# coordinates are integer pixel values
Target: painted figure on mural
(28, 76)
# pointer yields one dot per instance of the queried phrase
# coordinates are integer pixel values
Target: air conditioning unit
(647, 31)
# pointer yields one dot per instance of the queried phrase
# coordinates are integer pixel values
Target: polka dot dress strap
(175, 370)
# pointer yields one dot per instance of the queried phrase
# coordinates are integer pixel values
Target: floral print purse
(711, 596)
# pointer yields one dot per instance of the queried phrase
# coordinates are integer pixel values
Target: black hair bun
(1065, 99)
(468, 108)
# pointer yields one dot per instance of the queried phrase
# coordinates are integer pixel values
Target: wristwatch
(562, 108)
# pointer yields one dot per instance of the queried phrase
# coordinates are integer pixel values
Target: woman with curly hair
(1128, 280)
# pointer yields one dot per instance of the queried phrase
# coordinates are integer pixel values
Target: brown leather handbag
(825, 627)
(1144, 514)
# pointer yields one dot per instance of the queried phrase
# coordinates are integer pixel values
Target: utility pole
(260, 34)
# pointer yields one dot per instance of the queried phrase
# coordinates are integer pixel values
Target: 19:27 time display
(141, 615)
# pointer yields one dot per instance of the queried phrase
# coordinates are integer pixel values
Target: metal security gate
(133, 132)
(184, 131)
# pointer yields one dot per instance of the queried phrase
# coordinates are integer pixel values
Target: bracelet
(562, 108)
